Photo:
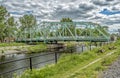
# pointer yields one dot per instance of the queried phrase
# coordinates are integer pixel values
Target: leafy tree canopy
(66, 20)
(27, 21)
(3, 13)
(7, 24)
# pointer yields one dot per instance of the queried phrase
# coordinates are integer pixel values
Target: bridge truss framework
(63, 31)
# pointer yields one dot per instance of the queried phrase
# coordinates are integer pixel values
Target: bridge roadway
(50, 39)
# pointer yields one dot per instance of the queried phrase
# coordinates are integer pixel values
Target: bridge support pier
(82, 48)
(95, 44)
(90, 46)
(100, 44)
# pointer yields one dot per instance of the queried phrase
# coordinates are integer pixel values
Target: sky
(104, 12)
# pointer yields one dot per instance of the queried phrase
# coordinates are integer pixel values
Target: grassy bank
(6, 47)
(68, 64)
(74, 43)
(11, 44)
(95, 70)
(69, 44)
(40, 47)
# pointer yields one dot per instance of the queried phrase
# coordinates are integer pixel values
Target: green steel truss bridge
(63, 31)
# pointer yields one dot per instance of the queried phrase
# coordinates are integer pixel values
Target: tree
(66, 20)
(27, 23)
(70, 25)
(3, 14)
(2, 32)
(11, 27)
(7, 24)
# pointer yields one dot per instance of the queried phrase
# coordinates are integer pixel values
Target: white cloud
(83, 10)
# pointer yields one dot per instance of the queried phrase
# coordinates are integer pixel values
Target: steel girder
(64, 31)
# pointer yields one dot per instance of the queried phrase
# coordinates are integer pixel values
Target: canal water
(35, 60)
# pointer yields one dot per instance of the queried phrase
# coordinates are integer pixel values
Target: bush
(37, 48)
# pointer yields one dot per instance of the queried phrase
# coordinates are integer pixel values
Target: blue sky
(108, 12)
(104, 12)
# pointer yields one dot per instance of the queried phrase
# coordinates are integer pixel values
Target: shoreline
(9, 50)
(13, 50)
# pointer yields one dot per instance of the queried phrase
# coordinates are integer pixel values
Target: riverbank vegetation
(74, 43)
(11, 44)
(30, 48)
(69, 64)
(40, 47)
(95, 70)
(21, 47)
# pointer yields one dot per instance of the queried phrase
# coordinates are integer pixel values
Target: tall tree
(2, 32)
(11, 27)
(3, 14)
(70, 26)
(66, 20)
(7, 24)
(27, 23)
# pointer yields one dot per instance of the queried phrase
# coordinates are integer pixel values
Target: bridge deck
(93, 39)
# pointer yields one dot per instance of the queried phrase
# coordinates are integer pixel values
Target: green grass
(95, 70)
(69, 44)
(68, 64)
(74, 43)
(11, 44)
(40, 47)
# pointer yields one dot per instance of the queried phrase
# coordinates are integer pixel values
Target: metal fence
(30, 63)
